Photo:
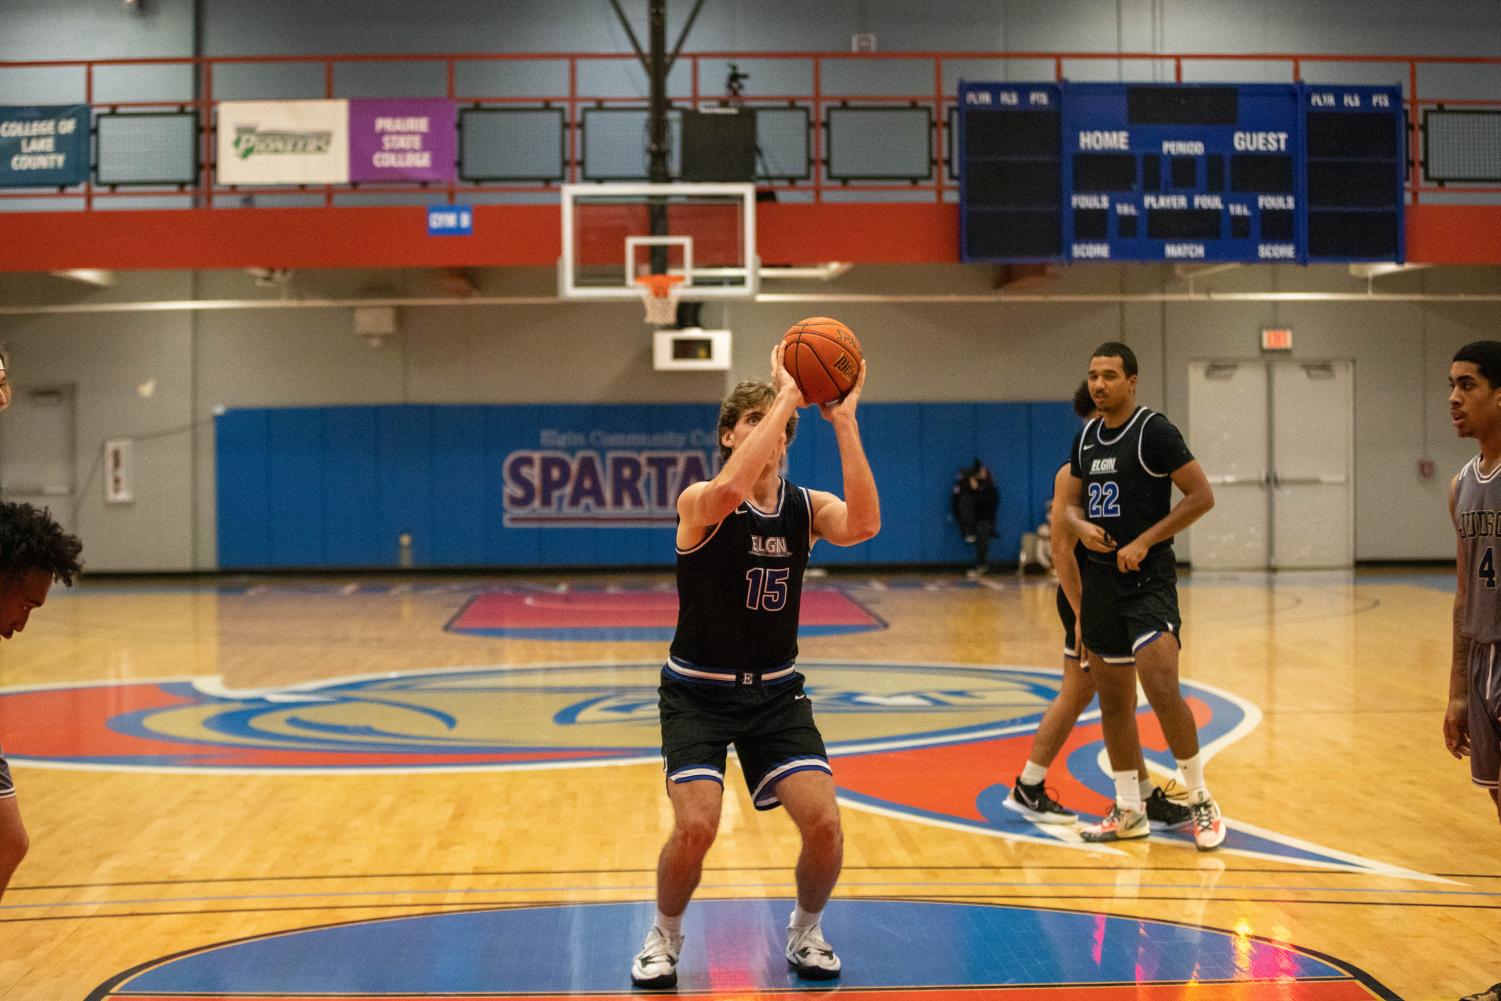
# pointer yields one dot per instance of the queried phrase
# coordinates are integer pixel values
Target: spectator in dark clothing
(974, 502)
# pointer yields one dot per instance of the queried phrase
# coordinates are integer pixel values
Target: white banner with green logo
(283, 142)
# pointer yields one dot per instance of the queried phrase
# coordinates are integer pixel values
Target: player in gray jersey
(1472, 721)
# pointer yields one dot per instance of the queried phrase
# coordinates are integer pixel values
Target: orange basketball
(823, 358)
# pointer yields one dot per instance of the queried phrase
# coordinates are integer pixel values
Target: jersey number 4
(1487, 569)
(1104, 500)
(766, 588)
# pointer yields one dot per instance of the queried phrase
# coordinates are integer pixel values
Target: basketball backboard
(616, 234)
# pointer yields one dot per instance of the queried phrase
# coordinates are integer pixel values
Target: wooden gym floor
(447, 787)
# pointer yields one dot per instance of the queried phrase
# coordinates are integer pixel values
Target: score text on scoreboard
(1181, 172)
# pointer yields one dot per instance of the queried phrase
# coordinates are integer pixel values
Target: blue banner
(44, 147)
(579, 485)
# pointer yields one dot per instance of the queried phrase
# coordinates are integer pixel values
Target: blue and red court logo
(892, 950)
(934, 743)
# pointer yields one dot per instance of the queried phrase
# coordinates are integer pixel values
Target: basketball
(823, 357)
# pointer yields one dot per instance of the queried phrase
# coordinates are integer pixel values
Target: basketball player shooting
(1472, 720)
(743, 540)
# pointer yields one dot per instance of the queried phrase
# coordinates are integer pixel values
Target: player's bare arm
(1063, 539)
(1069, 497)
(858, 516)
(1197, 499)
(706, 503)
(1456, 712)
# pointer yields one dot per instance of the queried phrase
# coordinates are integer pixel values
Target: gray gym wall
(601, 353)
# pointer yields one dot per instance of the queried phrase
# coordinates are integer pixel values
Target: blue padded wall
(568, 485)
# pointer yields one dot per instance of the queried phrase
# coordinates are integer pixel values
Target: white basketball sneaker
(810, 955)
(656, 965)
(1209, 826)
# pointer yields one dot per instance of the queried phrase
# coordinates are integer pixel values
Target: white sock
(1193, 777)
(1146, 786)
(1033, 773)
(1127, 792)
(672, 925)
(803, 919)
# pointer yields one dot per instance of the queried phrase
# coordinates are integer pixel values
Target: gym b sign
(1276, 339)
(450, 220)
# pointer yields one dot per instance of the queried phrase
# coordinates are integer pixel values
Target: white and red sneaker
(1208, 826)
(1117, 825)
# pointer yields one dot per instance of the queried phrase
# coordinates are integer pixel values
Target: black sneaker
(1493, 994)
(1038, 805)
(1164, 812)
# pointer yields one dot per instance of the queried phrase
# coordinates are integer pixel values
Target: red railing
(1407, 70)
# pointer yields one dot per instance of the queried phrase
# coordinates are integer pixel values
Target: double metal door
(1276, 440)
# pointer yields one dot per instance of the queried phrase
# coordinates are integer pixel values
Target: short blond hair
(746, 395)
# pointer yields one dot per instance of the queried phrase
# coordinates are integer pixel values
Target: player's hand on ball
(846, 406)
(782, 379)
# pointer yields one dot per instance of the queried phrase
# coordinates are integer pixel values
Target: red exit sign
(1276, 339)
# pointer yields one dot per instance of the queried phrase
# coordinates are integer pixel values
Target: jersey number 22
(1104, 500)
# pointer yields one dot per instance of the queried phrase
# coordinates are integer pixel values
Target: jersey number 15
(766, 588)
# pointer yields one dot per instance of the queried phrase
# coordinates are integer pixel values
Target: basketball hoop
(659, 293)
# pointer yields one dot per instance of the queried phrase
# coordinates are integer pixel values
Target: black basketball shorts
(1123, 612)
(1485, 715)
(1066, 616)
(7, 784)
(772, 729)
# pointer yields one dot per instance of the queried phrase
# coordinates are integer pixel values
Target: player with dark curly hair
(34, 552)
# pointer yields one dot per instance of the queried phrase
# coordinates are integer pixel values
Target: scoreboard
(1301, 173)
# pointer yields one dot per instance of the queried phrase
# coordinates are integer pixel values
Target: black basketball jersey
(1126, 474)
(739, 591)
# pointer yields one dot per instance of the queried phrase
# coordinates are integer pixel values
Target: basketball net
(660, 294)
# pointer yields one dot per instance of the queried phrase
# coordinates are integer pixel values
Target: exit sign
(1276, 339)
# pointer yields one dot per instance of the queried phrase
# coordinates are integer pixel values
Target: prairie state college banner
(283, 142)
(402, 140)
(44, 146)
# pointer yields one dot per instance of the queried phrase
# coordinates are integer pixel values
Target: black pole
(657, 144)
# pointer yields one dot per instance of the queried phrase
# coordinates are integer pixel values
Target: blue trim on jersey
(775, 512)
(769, 800)
(1100, 427)
(1146, 639)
